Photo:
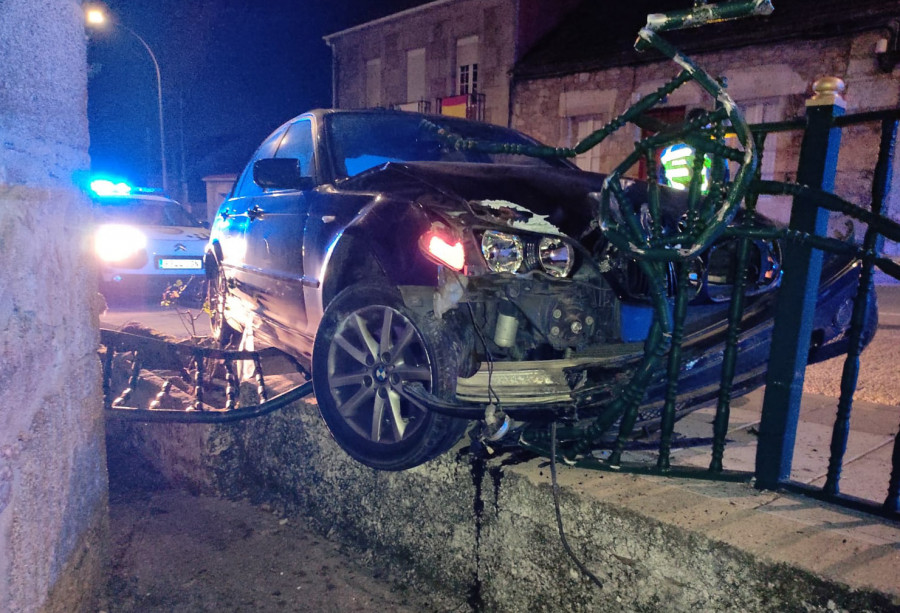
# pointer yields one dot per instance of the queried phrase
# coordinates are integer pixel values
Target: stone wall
(484, 534)
(53, 480)
(769, 83)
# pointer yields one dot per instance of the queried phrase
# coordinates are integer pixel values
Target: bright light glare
(503, 252)
(450, 255)
(105, 187)
(95, 17)
(115, 242)
(556, 256)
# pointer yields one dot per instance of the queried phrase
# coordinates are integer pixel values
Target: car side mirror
(281, 173)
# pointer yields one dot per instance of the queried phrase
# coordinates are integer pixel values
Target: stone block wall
(53, 479)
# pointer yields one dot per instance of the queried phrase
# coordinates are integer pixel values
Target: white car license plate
(180, 264)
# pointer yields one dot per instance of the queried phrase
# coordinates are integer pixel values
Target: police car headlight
(114, 242)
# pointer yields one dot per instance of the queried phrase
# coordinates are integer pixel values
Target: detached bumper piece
(154, 379)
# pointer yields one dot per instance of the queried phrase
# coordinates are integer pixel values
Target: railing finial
(827, 92)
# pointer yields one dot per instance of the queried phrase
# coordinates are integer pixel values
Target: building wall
(53, 484)
(436, 27)
(769, 83)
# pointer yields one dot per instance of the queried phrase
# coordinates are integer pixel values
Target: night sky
(232, 71)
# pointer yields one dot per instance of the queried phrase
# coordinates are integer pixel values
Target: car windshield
(360, 141)
(143, 212)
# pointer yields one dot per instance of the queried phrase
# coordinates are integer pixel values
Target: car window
(143, 212)
(297, 143)
(245, 186)
(359, 141)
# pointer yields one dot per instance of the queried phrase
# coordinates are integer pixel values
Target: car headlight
(556, 256)
(114, 242)
(503, 252)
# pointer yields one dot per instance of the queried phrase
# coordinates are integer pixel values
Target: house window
(764, 111)
(373, 83)
(590, 159)
(415, 75)
(467, 65)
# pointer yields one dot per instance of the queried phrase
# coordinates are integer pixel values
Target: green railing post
(799, 290)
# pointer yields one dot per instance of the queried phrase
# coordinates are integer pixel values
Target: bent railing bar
(850, 375)
(885, 226)
(124, 341)
(211, 416)
(789, 125)
(867, 117)
(142, 346)
(667, 426)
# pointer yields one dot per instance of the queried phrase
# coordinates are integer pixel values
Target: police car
(144, 242)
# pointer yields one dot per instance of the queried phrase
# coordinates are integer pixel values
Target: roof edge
(382, 20)
(628, 57)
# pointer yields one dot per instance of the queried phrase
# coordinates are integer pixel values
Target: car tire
(216, 294)
(365, 337)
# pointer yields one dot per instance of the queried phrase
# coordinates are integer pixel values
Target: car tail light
(444, 250)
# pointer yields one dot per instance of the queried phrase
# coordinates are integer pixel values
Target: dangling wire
(493, 397)
(559, 525)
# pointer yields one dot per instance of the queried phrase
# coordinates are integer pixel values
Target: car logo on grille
(180, 247)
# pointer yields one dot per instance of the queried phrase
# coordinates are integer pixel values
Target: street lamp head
(95, 16)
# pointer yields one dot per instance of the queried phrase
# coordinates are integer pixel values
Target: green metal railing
(712, 214)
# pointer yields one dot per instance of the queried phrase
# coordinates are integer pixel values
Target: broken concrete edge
(650, 540)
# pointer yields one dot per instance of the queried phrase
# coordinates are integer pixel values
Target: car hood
(167, 233)
(561, 197)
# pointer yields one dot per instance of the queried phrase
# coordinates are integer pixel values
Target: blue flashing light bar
(106, 187)
(103, 186)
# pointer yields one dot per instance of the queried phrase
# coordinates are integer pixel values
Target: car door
(231, 225)
(274, 258)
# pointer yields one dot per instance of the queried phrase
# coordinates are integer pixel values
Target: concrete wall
(53, 480)
(770, 83)
(485, 534)
(436, 28)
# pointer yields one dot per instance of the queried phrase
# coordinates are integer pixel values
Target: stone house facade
(559, 70)
(449, 56)
(586, 72)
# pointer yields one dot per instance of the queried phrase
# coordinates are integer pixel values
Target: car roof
(320, 113)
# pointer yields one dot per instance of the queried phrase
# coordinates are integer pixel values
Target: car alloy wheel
(367, 348)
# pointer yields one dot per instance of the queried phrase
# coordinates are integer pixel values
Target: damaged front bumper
(581, 386)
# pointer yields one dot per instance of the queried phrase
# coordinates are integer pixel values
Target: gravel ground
(178, 553)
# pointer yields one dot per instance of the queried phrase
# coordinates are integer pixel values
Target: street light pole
(159, 105)
(96, 16)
